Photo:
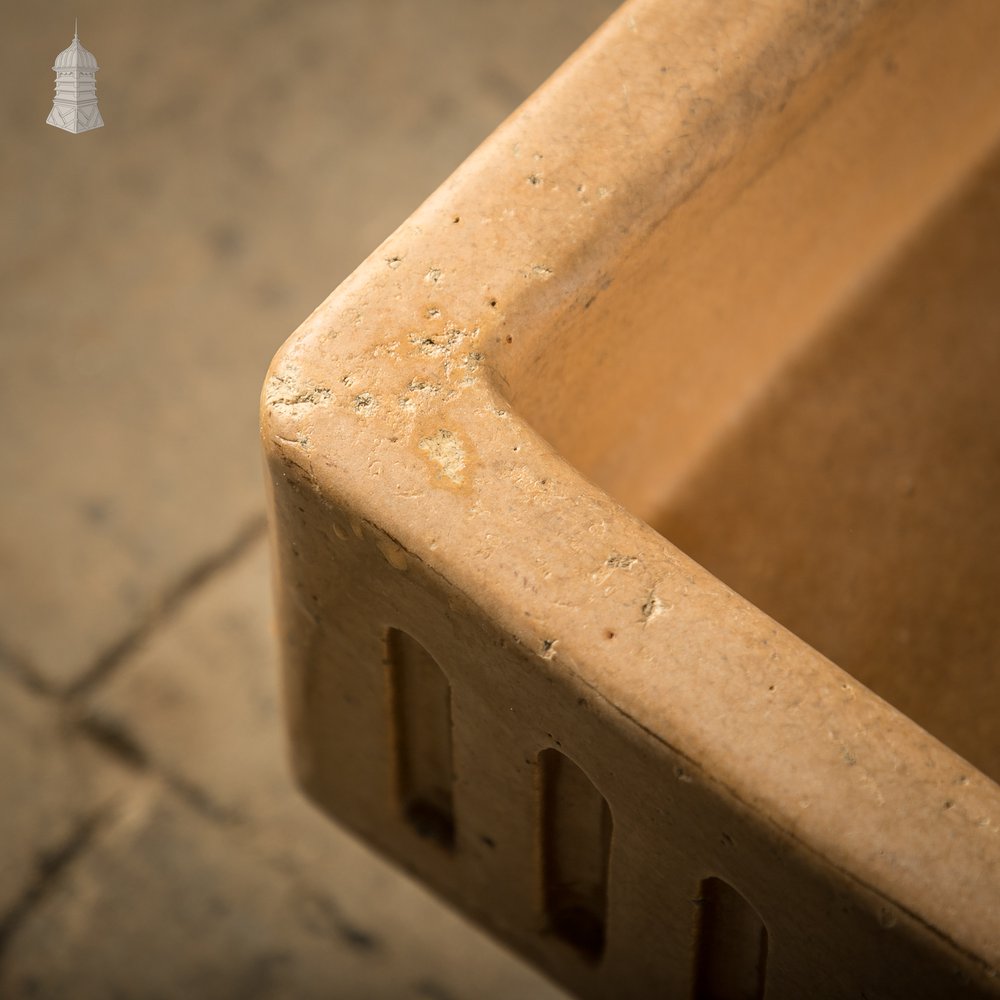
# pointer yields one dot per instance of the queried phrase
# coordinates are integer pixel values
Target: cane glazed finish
(717, 308)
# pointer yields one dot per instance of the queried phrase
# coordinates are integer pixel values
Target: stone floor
(151, 843)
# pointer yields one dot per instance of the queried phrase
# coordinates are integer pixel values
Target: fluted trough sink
(683, 383)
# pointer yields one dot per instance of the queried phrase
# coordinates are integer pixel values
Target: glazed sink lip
(391, 401)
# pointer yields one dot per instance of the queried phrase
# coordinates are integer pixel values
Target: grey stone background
(151, 843)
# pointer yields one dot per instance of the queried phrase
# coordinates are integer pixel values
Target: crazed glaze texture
(429, 432)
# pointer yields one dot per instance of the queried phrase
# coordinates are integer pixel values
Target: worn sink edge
(310, 412)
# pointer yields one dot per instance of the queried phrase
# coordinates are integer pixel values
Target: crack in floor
(111, 736)
(16, 665)
(19, 666)
(49, 866)
(169, 604)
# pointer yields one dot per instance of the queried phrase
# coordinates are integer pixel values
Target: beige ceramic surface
(730, 273)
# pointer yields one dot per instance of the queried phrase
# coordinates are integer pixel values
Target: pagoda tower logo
(75, 106)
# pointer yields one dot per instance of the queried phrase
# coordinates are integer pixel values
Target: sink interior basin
(794, 380)
(856, 499)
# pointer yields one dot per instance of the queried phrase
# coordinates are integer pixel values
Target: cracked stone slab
(52, 784)
(167, 904)
(200, 703)
(200, 699)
